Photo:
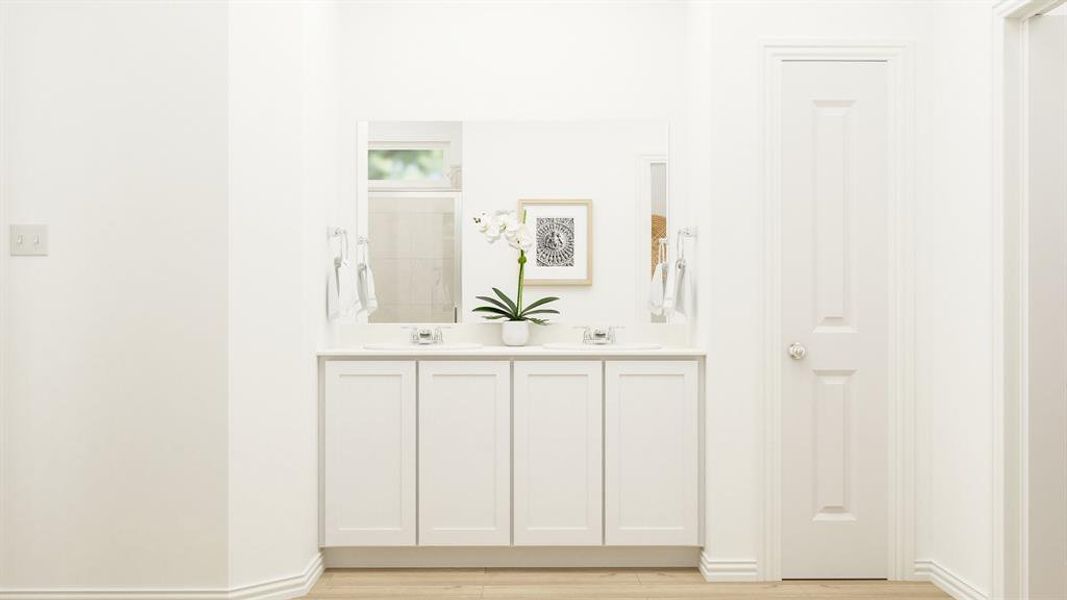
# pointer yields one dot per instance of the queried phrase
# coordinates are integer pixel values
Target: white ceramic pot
(515, 333)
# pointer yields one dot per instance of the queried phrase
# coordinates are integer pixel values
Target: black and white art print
(562, 253)
(555, 241)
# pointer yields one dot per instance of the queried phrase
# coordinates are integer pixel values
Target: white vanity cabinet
(651, 452)
(558, 491)
(511, 450)
(369, 453)
(464, 453)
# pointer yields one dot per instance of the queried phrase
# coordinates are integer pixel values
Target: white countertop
(513, 352)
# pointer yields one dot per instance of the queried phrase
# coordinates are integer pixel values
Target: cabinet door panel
(369, 437)
(652, 453)
(464, 453)
(558, 468)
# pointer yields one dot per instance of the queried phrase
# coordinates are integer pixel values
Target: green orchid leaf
(508, 301)
(492, 309)
(538, 321)
(494, 302)
(540, 302)
(543, 311)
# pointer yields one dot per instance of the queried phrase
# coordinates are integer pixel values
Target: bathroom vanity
(501, 447)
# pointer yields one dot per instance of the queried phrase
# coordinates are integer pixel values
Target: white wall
(596, 160)
(274, 168)
(323, 147)
(955, 336)
(952, 44)
(500, 61)
(114, 346)
(159, 414)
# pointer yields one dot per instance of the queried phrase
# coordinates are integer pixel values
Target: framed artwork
(563, 242)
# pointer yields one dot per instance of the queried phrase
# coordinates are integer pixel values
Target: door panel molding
(464, 468)
(557, 453)
(368, 491)
(898, 58)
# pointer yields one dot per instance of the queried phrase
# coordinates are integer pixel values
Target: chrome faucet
(424, 336)
(598, 336)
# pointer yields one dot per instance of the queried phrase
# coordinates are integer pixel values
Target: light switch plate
(29, 240)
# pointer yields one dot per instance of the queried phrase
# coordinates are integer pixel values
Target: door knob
(797, 351)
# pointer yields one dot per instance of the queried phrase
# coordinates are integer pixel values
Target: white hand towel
(676, 300)
(342, 299)
(655, 290)
(670, 290)
(368, 296)
(683, 300)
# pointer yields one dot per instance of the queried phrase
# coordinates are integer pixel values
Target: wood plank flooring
(574, 584)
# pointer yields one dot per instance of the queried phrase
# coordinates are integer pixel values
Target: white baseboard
(511, 556)
(947, 581)
(728, 570)
(283, 588)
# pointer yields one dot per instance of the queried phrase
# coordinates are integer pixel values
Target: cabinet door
(651, 472)
(369, 447)
(464, 453)
(558, 468)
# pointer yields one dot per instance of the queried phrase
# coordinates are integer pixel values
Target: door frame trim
(1011, 241)
(901, 486)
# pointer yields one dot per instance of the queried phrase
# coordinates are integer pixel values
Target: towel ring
(684, 232)
(342, 233)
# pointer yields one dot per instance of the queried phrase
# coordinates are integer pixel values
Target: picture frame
(563, 241)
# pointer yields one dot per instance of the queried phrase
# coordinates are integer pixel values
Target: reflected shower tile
(442, 314)
(384, 314)
(386, 279)
(424, 276)
(404, 226)
(441, 292)
(405, 270)
(439, 205)
(425, 241)
(413, 313)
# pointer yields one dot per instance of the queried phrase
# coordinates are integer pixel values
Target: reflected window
(406, 164)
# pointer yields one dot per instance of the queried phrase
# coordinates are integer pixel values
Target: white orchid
(510, 222)
(520, 236)
(521, 239)
(483, 221)
(504, 224)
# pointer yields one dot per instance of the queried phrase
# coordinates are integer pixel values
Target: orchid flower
(520, 236)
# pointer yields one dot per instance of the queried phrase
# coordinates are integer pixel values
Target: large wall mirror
(594, 194)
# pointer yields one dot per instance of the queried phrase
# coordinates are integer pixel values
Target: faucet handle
(599, 335)
(587, 333)
(425, 335)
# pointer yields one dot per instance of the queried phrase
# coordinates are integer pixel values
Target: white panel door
(464, 453)
(835, 193)
(558, 438)
(651, 453)
(369, 452)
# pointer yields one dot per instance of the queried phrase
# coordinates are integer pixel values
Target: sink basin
(598, 347)
(418, 347)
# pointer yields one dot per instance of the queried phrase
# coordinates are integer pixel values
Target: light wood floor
(573, 584)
